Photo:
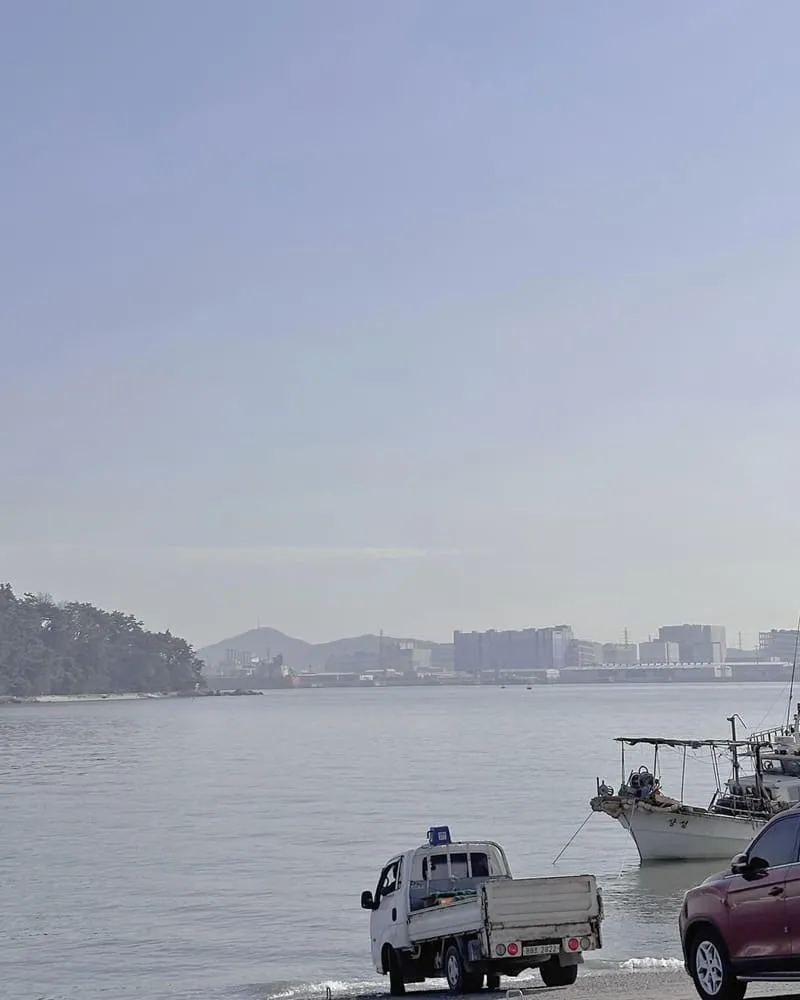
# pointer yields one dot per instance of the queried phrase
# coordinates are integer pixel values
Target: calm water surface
(217, 848)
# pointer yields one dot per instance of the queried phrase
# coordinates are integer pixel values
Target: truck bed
(554, 907)
(540, 907)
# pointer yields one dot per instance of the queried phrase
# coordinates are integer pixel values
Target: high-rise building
(779, 644)
(620, 654)
(585, 653)
(659, 651)
(697, 643)
(523, 649)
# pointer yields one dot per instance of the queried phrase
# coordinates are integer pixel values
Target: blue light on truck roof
(439, 835)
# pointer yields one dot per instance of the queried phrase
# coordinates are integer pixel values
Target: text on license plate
(541, 949)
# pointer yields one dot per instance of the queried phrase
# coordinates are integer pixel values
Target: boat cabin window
(789, 766)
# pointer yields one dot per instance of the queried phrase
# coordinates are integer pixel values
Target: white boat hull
(691, 835)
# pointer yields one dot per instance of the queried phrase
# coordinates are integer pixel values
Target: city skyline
(549, 653)
(626, 639)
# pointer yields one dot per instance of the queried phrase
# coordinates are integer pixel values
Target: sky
(336, 315)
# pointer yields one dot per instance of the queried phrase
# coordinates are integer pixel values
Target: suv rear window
(778, 844)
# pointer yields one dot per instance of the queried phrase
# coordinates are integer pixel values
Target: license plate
(541, 949)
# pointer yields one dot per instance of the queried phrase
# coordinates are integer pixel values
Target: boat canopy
(656, 741)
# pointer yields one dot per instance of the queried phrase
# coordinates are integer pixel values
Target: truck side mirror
(367, 902)
(739, 864)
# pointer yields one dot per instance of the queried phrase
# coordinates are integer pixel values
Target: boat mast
(759, 782)
(794, 671)
(732, 720)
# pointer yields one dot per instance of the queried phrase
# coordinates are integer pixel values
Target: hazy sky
(417, 315)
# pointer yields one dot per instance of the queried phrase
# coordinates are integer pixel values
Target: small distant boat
(667, 829)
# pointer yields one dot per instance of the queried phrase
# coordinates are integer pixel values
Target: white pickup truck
(452, 910)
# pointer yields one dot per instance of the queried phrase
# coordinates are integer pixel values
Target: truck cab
(428, 876)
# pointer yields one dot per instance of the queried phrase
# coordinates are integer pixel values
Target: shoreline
(71, 699)
(236, 687)
(308, 682)
(57, 699)
(619, 984)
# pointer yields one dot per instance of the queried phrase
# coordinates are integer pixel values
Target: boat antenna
(794, 671)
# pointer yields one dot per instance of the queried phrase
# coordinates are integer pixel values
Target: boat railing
(770, 735)
(751, 804)
(787, 729)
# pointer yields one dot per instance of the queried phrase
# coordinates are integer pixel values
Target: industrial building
(778, 643)
(521, 650)
(659, 651)
(696, 643)
(620, 654)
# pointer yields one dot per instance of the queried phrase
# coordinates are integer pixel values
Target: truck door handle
(776, 890)
(394, 911)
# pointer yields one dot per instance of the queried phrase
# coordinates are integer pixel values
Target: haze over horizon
(347, 315)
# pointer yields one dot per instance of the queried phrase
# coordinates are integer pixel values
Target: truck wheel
(553, 973)
(713, 976)
(397, 986)
(492, 980)
(458, 979)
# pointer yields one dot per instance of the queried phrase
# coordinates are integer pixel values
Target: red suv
(744, 924)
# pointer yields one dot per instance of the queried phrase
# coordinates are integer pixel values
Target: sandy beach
(656, 985)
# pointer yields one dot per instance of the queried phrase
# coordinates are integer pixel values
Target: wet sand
(656, 985)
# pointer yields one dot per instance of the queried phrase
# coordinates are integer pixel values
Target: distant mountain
(297, 653)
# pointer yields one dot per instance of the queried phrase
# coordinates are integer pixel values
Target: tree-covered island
(49, 648)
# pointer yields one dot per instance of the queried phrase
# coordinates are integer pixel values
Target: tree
(76, 648)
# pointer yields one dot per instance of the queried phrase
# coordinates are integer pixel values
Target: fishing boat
(665, 828)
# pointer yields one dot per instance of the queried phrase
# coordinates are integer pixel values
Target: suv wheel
(713, 976)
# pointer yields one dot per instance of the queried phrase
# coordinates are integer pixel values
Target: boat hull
(682, 834)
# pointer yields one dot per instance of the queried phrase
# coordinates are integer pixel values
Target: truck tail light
(513, 949)
(574, 944)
